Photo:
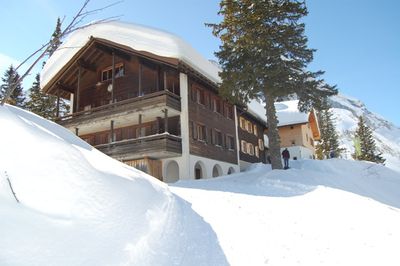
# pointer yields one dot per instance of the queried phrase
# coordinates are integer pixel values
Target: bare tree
(75, 24)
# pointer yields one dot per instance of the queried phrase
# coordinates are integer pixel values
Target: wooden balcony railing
(167, 97)
(154, 146)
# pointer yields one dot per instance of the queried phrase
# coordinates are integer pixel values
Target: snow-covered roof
(287, 112)
(257, 109)
(137, 37)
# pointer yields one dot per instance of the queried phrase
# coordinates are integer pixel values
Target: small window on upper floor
(249, 127)
(106, 74)
(229, 111)
(200, 96)
(255, 130)
(242, 123)
(217, 105)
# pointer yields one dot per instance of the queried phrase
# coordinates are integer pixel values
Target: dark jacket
(285, 154)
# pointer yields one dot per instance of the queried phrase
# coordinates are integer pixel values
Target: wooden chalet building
(298, 131)
(148, 99)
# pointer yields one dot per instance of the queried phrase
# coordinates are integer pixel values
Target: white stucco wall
(209, 165)
(299, 152)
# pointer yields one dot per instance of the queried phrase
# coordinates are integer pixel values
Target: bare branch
(72, 26)
(12, 190)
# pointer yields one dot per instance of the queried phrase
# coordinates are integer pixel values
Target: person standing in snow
(286, 156)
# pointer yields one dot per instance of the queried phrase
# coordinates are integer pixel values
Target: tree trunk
(272, 132)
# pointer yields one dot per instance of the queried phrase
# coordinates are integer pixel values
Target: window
(250, 148)
(255, 130)
(230, 142)
(193, 94)
(200, 96)
(242, 123)
(229, 111)
(243, 146)
(257, 152)
(293, 142)
(217, 105)
(201, 132)
(249, 127)
(261, 144)
(171, 81)
(106, 74)
(218, 138)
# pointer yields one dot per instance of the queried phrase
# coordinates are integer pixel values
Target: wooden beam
(58, 104)
(86, 65)
(78, 89)
(113, 77)
(165, 120)
(140, 125)
(109, 50)
(112, 131)
(64, 87)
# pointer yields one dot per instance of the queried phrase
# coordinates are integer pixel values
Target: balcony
(155, 146)
(98, 118)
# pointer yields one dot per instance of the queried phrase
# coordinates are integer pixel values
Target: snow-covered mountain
(386, 134)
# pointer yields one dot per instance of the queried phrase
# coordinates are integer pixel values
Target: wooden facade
(211, 124)
(127, 104)
(251, 136)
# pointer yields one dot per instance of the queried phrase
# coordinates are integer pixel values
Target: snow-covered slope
(386, 134)
(80, 207)
(332, 212)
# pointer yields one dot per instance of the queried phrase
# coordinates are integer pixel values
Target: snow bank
(332, 212)
(79, 207)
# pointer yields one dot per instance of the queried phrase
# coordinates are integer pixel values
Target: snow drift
(79, 207)
(332, 212)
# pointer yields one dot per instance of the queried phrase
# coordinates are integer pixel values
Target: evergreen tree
(329, 142)
(365, 148)
(55, 41)
(10, 77)
(263, 55)
(40, 103)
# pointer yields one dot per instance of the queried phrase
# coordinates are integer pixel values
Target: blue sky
(357, 41)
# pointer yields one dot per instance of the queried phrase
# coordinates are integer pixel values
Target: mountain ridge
(346, 111)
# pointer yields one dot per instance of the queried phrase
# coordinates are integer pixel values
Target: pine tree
(365, 147)
(40, 103)
(55, 41)
(263, 55)
(10, 77)
(329, 142)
